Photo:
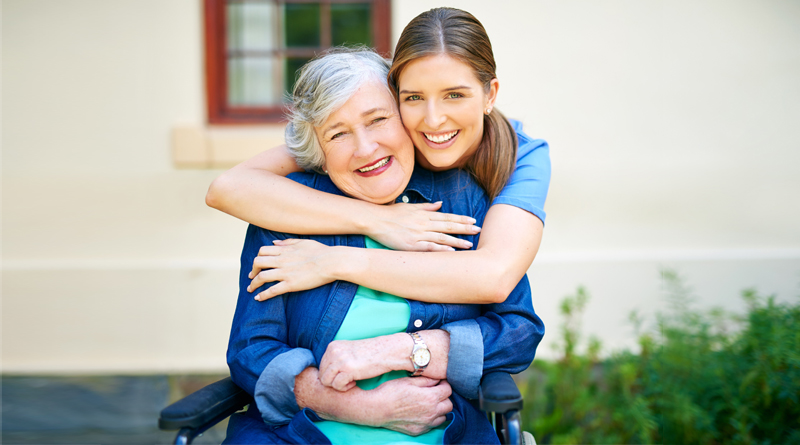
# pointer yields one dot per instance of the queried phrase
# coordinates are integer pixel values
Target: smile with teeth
(378, 164)
(440, 138)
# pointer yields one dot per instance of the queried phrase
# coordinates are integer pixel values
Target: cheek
(409, 115)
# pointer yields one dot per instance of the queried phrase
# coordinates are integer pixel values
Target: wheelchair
(499, 397)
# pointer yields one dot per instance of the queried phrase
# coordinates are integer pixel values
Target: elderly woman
(342, 363)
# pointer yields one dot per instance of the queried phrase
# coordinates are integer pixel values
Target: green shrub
(702, 377)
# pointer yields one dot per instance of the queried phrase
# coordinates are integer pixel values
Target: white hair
(324, 85)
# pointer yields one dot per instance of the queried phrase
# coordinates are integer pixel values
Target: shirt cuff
(465, 359)
(274, 394)
(519, 203)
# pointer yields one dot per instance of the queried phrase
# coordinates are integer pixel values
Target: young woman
(443, 74)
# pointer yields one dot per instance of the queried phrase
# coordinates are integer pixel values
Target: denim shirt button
(417, 323)
(405, 199)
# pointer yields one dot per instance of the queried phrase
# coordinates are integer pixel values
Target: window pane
(293, 64)
(251, 26)
(351, 24)
(301, 24)
(250, 82)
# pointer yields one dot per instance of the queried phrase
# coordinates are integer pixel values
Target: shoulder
(527, 145)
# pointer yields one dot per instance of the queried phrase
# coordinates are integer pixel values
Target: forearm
(508, 244)
(396, 351)
(277, 203)
(258, 192)
(506, 250)
(408, 405)
(352, 406)
(347, 361)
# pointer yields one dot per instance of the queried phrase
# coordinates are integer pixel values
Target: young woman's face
(442, 104)
(368, 154)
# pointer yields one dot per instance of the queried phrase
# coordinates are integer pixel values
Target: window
(255, 47)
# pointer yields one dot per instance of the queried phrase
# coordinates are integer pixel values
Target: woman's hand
(419, 227)
(414, 405)
(410, 405)
(345, 361)
(297, 265)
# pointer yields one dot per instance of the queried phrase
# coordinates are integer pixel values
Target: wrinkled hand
(419, 227)
(296, 264)
(345, 361)
(414, 405)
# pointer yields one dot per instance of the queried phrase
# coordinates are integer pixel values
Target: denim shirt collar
(419, 189)
(421, 185)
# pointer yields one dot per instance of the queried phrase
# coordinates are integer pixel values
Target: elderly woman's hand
(296, 264)
(410, 405)
(345, 361)
(414, 405)
(419, 227)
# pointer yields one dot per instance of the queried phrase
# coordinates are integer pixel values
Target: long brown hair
(460, 35)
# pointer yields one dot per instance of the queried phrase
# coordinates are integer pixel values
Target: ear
(491, 97)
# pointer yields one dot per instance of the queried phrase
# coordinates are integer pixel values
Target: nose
(434, 118)
(365, 144)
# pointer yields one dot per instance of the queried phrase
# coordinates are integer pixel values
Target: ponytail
(496, 157)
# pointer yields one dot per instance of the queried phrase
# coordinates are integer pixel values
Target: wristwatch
(420, 355)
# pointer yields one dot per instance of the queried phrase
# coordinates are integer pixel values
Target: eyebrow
(364, 114)
(460, 87)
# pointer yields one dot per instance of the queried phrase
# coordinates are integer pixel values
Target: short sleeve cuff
(519, 203)
(274, 393)
(465, 359)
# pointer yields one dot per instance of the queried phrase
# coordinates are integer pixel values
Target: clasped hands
(411, 405)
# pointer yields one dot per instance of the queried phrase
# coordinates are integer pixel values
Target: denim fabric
(466, 350)
(467, 426)
(280, 406)
(262, 332)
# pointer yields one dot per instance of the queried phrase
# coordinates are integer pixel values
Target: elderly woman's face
(368, 154)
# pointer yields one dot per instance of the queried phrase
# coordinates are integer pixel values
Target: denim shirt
(271, 342)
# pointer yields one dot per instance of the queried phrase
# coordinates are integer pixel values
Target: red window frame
(219, 112)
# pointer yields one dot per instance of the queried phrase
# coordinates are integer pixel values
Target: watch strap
(419, 343)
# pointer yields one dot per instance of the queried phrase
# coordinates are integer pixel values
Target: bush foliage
(705, 377)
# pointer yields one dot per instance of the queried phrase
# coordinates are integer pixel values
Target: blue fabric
(247, 428)
(264, 331)
(528, 185)
(465, 358)
(280, 406)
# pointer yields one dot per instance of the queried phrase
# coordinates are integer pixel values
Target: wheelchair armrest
(499, 393)
(208, 405)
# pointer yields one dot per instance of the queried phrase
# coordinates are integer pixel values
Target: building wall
(672, 132)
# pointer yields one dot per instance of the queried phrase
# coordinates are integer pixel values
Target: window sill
(200, 147)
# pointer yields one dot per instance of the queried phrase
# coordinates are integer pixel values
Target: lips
(376, 167)
(440, 138)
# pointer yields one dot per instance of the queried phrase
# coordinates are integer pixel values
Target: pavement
(94, 409)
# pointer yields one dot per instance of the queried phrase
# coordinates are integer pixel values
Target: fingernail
(468, 244)
(476, 229)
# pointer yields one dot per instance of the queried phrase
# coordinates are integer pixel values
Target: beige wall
(673, 135)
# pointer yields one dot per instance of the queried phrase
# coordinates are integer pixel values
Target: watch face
(422, 357)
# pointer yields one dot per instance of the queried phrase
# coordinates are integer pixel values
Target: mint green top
(373, 314)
